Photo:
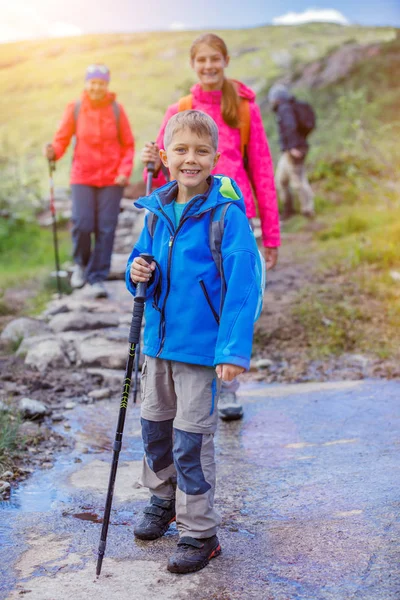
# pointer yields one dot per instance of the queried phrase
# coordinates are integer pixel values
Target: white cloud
(177, 26)
(329, 15)
(60, 29)
(21, 22)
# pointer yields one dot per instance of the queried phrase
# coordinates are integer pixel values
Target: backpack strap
(185, 103)
(215, 235)
(151, 223)
(244, 118)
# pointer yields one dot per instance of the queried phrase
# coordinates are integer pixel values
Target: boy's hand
(151, 153)
(141, 270)
(271, 257)
(228, 372)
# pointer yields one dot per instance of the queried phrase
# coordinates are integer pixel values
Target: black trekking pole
(52, 168)
(135, 388)
(134, 336)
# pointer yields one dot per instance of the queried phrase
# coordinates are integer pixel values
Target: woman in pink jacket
(220, 98)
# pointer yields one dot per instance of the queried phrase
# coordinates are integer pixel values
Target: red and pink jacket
(260, 165)
(104, 148)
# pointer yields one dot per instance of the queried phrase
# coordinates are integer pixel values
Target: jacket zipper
(214, 312)
(170, 249)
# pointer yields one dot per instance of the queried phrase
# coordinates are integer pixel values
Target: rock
(56, 418)
(47, 353)
(111, 377)
(356, 360)
(69, 405)
(264, 363)
(395, 275)
(32, 409)
(7, 475)
(79, 321)
(4, 407)
(118, 266)
(31, 342)
(100, 394)
(23, 327)
(31, 431)
(4, 487)
(47, 465)
(98, 351)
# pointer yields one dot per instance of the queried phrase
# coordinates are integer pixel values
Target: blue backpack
(216, 232)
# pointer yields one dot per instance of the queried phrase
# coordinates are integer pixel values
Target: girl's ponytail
(230, 104)
(230, 97)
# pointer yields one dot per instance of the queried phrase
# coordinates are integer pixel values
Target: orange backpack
(186, 103)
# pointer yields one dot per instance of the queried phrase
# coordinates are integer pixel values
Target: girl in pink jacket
(220, 98)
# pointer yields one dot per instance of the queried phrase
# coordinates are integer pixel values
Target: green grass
(9, 438)
(27, 258)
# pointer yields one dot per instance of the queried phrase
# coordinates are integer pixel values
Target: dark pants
(94, 212)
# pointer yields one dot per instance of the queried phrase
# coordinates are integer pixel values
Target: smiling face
(96, 88)
(190, 159)
(209, 64)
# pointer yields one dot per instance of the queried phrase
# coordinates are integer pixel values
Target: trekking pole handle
(138, 306)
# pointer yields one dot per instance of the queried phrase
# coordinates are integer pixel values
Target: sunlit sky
(25, 19)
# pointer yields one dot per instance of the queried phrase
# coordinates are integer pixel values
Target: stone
(4, 407)
(79, 321)
(47, 353)
(69, 405)
(23, 327)
(118, 266)
(4, 487)
(7, 475)
(32, 409)
(100, 394)
(111, 377)
(356, 360)
(30, 430)
(264, 363)
(99, 351)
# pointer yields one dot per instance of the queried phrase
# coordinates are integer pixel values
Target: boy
(187, 334)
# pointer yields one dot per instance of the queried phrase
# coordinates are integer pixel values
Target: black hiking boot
(156, 519)
(193, 555)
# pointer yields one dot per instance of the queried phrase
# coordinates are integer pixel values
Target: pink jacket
(231, 162)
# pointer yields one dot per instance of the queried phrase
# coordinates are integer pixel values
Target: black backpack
(305, 117)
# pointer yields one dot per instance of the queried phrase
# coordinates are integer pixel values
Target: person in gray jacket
(295, 121)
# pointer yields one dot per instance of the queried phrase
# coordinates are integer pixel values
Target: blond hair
(197, 121)
(230, 97)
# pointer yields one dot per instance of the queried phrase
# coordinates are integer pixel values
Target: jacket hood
(222, 189)
(214, 96)
(108, 99)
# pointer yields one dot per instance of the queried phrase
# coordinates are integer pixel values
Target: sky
(26, 19)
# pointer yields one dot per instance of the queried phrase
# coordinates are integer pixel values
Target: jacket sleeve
(261, 171)
(287, 123)
(239, 255)
(64, 132)
(143, 245)
(160, 179)
(127, 144)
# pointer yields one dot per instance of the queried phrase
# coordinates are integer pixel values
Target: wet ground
(308, 489)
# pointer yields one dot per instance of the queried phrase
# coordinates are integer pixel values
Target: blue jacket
(183, 296)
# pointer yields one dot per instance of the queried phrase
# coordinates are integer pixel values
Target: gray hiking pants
(179, 418)
(291, 176)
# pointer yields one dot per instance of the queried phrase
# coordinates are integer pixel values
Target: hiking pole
(134, 336)
(52, 168)
(149, 181)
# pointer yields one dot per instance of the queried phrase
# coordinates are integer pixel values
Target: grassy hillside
(149, 71)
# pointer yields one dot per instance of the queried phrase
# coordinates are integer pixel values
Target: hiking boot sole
(192, 568)
(231, 416)
(153, 536)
